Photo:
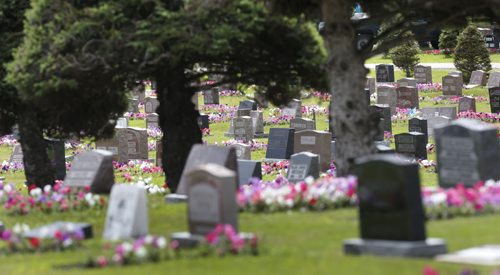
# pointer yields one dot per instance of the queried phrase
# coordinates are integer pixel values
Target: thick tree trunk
(37, 167)
(353, 125)
(178, 121)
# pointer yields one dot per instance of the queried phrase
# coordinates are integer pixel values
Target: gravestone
(385, 114)
(407, 82)
(280, 143)
(332, 150)
(133, 105)
(371, 84)
(450, 112)
(387, 95)
(317, 142)
(159, 152)
(467, 151)
(423, 74)
(127, 215)
(261, 100)
(456, 73)
(243, 128)
(419, 125)
(122, 122)
(243, 112)
(412, 144)
(204, 121)
(366, 95)
(150, 105)
(495, 99)
(392, 219)
(49, 231)
(293, 109)
(17, 154)
(248, 169)
(493, 80)
(477, 78)
(384, 149)
(243, 151)
(247, 104)
(467, 104)
(407, 97)
(300, 124)
(56, 154)
(211, 96)
(194, 100)
(384, 73)
(257, 123)
(204, 154)
(94, 169)
(152, 120)
(452, 85)
(136, 143)
(303, 165)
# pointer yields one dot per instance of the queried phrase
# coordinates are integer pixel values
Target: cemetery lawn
(427, 58)
(292, 243)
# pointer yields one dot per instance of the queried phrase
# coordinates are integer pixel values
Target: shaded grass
(426, 58)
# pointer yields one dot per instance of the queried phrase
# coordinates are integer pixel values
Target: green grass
(426, 58)
(292, 243)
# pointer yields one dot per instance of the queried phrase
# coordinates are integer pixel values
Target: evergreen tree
(405, 56)
(448, 40)
(471, 53)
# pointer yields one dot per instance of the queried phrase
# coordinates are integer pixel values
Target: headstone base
(471, 86)
(175, 198)
(425, 249)
(273, 160)
(188, 240)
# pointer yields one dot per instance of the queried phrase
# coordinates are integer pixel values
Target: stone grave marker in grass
(150, 105)
(452, 85)
(204, 121)
(302, 165)
(243, 151)
(467, 104)
(423, 74)
(248, 169)
(494, 94)
(49, 231)
(293, 109)
(412, 144)
(317, 142)
(300, 124)
(211, 96)
(243, 128)
(477, 78)
(493, 80)
(407, 97)
(384, 73)
(419, 125)
(127, 214)
(392, 219)
(467, 151)
(152, 120)
(257, 123)
(387, 95)
(247, 104)
(280, 144)
(122, 122)
(407, 82)
(94, 169)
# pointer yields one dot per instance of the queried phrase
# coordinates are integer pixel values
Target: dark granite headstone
(407, 97)
(150, 105)
(94, 169)
(385, 115)
(136, 143)
(248, 104)
(493, 80)
(384, 73)
(467, 151)
(412, 144)
(317, 142)
(133, 105)
(248, 169)
(56, 154)
(300, 124)
(452, 85)
(390, 203)
(204, 154)
(467, 104)
(302, 165)
(159, 152)
(423, 74)
(495, 99)
(478, 78)
(371, 84)
(204, 121)
(419, 125)
(211, 96)
(387, 95)
(280, 143)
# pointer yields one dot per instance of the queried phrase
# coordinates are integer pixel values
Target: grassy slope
(427, 58)
(293, 243)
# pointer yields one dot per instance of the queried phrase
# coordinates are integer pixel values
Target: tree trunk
(178, 122)
(354, 126)
(37, 167)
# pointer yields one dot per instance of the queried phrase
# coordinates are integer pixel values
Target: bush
(405, 56)
(471, 53)
(448, 40)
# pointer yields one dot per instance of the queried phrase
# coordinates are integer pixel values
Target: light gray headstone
(317, 142)
(452, 85)
(257, 122)
(423, 74)
(300, 124)
(493, 80)
(387, 94)
(302, 165)
(243, 128)
(294, 109)
(243, 151)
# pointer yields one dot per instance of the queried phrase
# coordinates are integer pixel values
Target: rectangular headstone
(133, 106)
(122, 122)
(211, 96)
(450, 112)
(390, 203)
(204, 121)
(257, 122)
(423, 74)
(136, 143)
(384, 73)
(247, 104)
(303, 165)
(385, 114)
(407, 97)
(94, 169)
(243, 128)
(494, 93)
(280, 143)
(300, 124)
(57, 158)
(419, 125)
(150, 105)
(317, 142)
(204, 154)
(478, 78)
(452, 85)
(467, 151)
(407, 82)
(243, 151)
(371, 84)
(211, 198)
(387, 95)
(17, 154)
(412, 144)
(152, 120)
(127, 215)
(248, 169)
(467, 104)
(293, 109)
(493, 80)
(159, 152)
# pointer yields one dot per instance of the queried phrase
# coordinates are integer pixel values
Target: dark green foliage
(405, 56)
(471, 53)
(448, 40)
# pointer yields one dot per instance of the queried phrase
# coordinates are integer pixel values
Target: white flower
(148, 239)
(17, 229)
(309, 180)
(141, 252)
(25, 228)
(127, 247)
(36, 192)
(47, 188)
(7, 188)
(162, 242)
(67, 242)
